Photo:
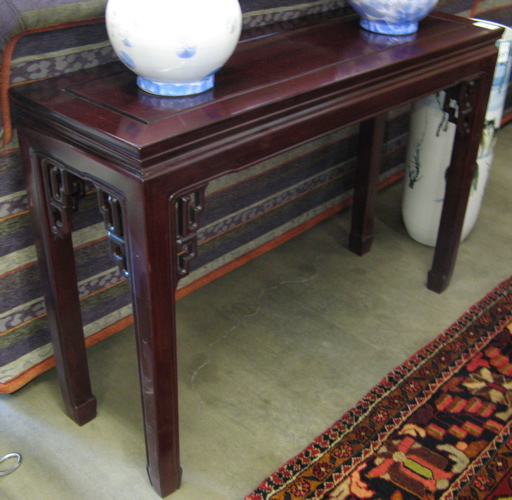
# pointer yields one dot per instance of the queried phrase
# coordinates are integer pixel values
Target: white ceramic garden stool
(430, 147)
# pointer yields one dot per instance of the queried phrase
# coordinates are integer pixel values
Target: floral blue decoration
(126, 58)
(392, 17)
(176, 89)
(186, 52)
(386, 28)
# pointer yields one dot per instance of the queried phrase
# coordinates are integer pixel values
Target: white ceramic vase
(174, 46)
(429, 153)
(392, 17)
(428, 156)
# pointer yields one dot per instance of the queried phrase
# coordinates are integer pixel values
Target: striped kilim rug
(437, 427)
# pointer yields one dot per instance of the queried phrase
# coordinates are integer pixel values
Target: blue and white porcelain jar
(430, 147)
(174, 46)
(392, 17)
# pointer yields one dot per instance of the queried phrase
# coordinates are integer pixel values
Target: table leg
(152, 273)
(371, 138)
(51, 202)
(468, 103)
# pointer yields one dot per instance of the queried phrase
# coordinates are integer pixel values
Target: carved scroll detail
(112, 212)
(459, 106)
(63, 191)
(188, 210)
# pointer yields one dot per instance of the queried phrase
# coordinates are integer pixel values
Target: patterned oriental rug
(437, 427)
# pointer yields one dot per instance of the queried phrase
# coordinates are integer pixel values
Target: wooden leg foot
(167, 482)
(437, 282)
(85, 412)
(359, 245)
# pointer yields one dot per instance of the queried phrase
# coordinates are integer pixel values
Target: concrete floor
(270, 356)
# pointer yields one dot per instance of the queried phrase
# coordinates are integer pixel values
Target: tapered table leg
(469, 100)
(371, 138)
(51, 194)
(152, 273)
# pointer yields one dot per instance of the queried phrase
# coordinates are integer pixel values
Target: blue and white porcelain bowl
(174, 46)
(392, 17)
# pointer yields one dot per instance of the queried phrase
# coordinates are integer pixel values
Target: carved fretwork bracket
(112, 212)
(63, 190)
(188, 210)
(459, 104)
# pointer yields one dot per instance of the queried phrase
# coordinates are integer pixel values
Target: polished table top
(271, 76)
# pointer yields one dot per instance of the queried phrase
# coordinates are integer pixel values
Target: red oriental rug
(437, 427)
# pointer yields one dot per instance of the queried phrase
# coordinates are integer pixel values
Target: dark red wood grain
(154, 155)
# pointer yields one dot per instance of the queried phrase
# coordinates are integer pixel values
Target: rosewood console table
(150, 159)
